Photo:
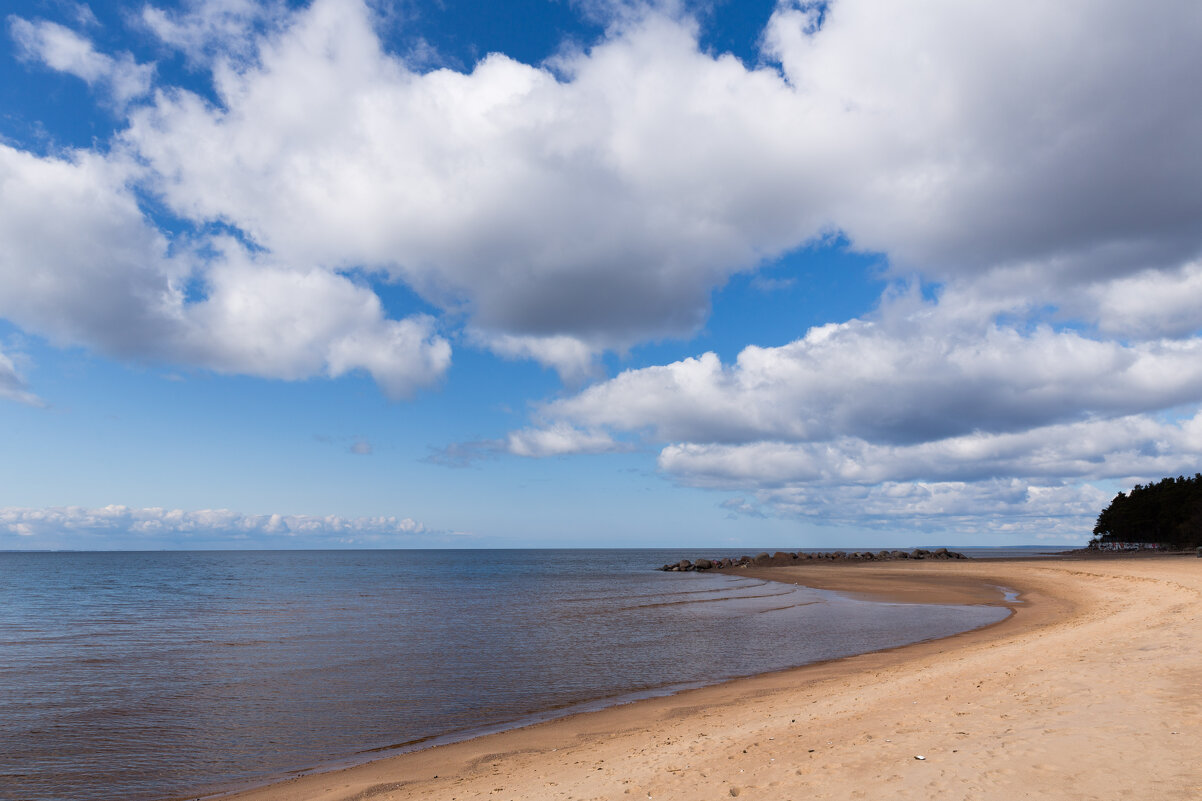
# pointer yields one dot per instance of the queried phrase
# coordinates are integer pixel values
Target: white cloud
(557, 440)
(1026, 155)
(500, 192)
(917, 416)
(1094, 450)
(82, 266)
(973, 136)
(13, 386)
(571, 357)
(915, 373)
(207, 30)
(1001, 510)
(83, 14)
(131, 525)
(260, 318)
(78, 263)
(1151, 303)
(595, 203)
(64, 50)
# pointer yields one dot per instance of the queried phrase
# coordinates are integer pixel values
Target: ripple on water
(143, 675)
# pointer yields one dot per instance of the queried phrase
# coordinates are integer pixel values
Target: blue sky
(353, 273)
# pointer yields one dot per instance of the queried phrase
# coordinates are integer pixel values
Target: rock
(780, 558)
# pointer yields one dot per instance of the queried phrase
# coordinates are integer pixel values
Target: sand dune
(1091, 690)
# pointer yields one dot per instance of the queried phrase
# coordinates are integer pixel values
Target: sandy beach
(1091, 689)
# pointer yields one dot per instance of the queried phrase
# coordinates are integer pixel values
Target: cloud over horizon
(916, 396)
(1028, 174)
(131, 527)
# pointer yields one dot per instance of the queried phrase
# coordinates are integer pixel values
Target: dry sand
(1091, 690)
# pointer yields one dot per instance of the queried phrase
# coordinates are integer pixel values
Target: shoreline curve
(816, 718)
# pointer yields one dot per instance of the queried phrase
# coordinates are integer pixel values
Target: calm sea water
(1014, 551)
(156, 675)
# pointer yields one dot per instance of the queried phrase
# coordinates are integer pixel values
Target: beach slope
(1091, 690)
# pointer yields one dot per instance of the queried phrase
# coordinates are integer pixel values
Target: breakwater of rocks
(788, 558)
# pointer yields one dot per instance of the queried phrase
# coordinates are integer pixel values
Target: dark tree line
(1168, 511)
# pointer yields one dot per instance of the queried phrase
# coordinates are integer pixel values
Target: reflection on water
(143, 675)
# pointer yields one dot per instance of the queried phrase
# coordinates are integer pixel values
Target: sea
(162, 675)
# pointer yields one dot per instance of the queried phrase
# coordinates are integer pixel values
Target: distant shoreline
(856, 724)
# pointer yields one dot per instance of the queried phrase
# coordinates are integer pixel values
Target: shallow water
(148, 675)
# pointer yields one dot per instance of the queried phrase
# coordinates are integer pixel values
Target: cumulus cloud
(596, 201)
(1026, 157)
(991, 135)
(502, 192)
(64, 50)
(571, 357)
(112, 281)
(79, 263)
(262, 318)
(132, 526)
(915, 414)
(911, 374)
(1094, 450)
(1151, 303)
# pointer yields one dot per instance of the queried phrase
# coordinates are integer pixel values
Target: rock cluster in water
(787, 558)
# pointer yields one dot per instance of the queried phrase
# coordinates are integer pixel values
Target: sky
(594, 273)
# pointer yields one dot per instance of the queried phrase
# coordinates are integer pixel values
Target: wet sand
(1092, 689)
